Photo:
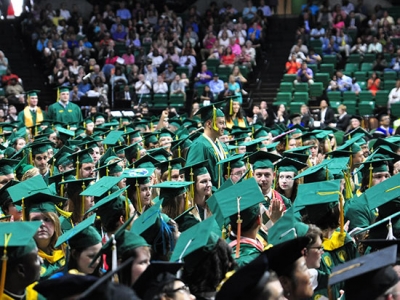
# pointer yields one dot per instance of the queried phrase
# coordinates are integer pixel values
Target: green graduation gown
(357, 211)
(70, 114)
(202, 149)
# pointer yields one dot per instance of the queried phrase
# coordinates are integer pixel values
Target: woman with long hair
(234, 114)
(235, 88)
(287, 169)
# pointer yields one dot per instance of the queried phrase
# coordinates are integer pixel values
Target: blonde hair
(30, 173)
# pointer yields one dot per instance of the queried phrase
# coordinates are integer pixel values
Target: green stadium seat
(351, 107)
(349, 96)
(224, 71)
(381, 98)
(283, 97)
(389, 75)
(395, 109)
(351, 67)
(301, 87)
(295, 107)
(286, 87)
(180, 70)
(289, 77)
(334, 96)
(314, 43)
(363, 85)
(213, 62)
(360, 75)
(322, 77)
(365, 96)
(300, 97)
(316, 89)
(327, 68)
(354, 58)
(335, 105)
(2, 92)
(329, 59)
(244, 70)
(369, 58)
(313, 67)
(388, 84)
(366, 108)
(366, 67)
(160, 101)
(177, 100)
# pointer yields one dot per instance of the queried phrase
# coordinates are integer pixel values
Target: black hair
(328, 220)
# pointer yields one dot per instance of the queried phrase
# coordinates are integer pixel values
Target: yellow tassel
(187, 201)
(347, 184)
(139, 202)
(83, 201)
(107, 170)
(30, 157)
(169, 171)
(192, 185)
(62, 187)
(327, 174)
(329, 145)
(52, 167)
(250, 173)
(58, 95)
(128, 140)
(287, 142)
(231, 107)
(370, 175)
(77, 167)
(65, 214)
(215, 127)
(7, 237)
(229, 169)
(138, 154)
(84, 125)
(23, 208)
(179, 151)
(239, 229)
(341, 206)
(127, 211)
(275, 180)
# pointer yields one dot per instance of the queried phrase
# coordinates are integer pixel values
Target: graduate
(32, 115)
(64, 110)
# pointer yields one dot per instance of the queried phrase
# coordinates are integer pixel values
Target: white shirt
(394, 96)
(323, 113)
(160, 88)
(143, 87)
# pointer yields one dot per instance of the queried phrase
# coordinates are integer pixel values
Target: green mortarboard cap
(351, 145)
(299, 128)
(150, 137)
(245, 195)
(81, 156)
(32, 92)
(9, 152)
(61, 177)
(211, 111)
(359, 132)
(315, 173)
(261, 132)
(384, 192)
(98, 116)
(102, 186)
(88, 121)
(387, 152)
(110, 205)
(289, 165)
(338, 166)
(82, 236)
(303, 158)
(7, 166)
(299, 150)
(182, 219)
(317, 198)
(113, 137)
(239, 132)
(384, 143)
(159, 153)
(111, 166)
(40, 147)
(368, 276)
(173, 164)
(166, 133)
(110, 152)
(194, 170)
(339, 153)
(378, 162)
(63, 89)
(232, 162)
(256, 144)
(181, 144)
(4, 195)
(153, 280)
(263, 160)
(147, 161)
(22, 167)
(132, 152)
(285, 254)
(138, 173)
(77, 185)
(35, 196)
(64, 134)
(310, 135)
(194, 243)
(171, 189)
(288, 227)
(20, 238)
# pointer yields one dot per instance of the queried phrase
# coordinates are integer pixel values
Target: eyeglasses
(183, 288)
(238, 174)
(320, 248)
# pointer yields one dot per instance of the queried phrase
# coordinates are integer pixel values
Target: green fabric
(247, 254)
(358, 213)
(47, 269)
(71, 113)
(7, 166)
(187, 221)
(202, 150)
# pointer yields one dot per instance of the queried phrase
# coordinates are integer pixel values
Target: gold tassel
(250, 173)
(30, 157)
(215, 127)
(329, 145)
(107, 170)
(276, 174)
(192, 185)
(58, 95)
(187, 201)
(231, 107)
(239, 228)
(62, 187)
(327, 174)
(83, 201)
(341, 206)
(139, 202)
(138, 154)
(347, 184)
(179, 151)
(52, 166)
(287, 142)
(23, 208)
(84, 125)
(229, 169)
(169, 171)
(77, 166)
(65, 214)
(370, 175)
(127, 211)
(7, 237)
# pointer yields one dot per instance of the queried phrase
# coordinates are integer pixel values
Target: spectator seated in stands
(143, 86)
(83, 87)
(318, 32)
(203, 77)
(119, 35)
(359, 47)
(14, 91)
(380, 63)
(207, 96)
(301, 47)
(292, 66)
(118, 78)
(386, 18)
(160, 87)
(373, 83)
(177, 87)
(355, 87)
(169, 73)
(394, 95)
(256, 28)
(187, 60)
(343, 42)
(352, 21)
(333, 84)
(265, 9)
(123, 12)
(330, 47)
(313, 58)
(126, 94)
(395, 63)
(3, 62)
(344, 82)
(300, 56)
(150, 74)
(305, 74)
(208, 43)
(236, 49)
(216, 86)
(375, 46)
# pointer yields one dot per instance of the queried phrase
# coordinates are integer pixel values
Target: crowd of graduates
(182, 207)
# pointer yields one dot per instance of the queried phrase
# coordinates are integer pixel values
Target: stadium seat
(365, 96)
(300, 97)
(301, 87)
(283, 97)
(286, 87)
(316, 89)
(327, 68)
(381, 98)
(334, 96)
(289, 77)
(366, 108)
(322, 77)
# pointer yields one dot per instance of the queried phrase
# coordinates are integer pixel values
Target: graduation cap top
(173, 164)
(7, 166)
(290, 165)
(32, 93)
(211, 112)
(368, 276)
(383, 192)
(81, 236)
(263, 160)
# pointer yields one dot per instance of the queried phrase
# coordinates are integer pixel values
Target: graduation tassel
(215, 127)
(30, 157)
(23, 208)
(187, 201)
(341, 207)
(114, 259)
(107, 170)
(62, 187)
(229, 169)
(390, 235)
(179, 151)
(77, 166)
(274, 183)
(7, 237)
(231, 107)
(127, 211)
(52, 167)
(287, 142)
(139, 202)
(327, 174)
(250, 173)
(191, 186)
(83, 201)
(329, 145)
(169, 171)
(58, 95)
(239, 228)
(370, 176)
(347, 185)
